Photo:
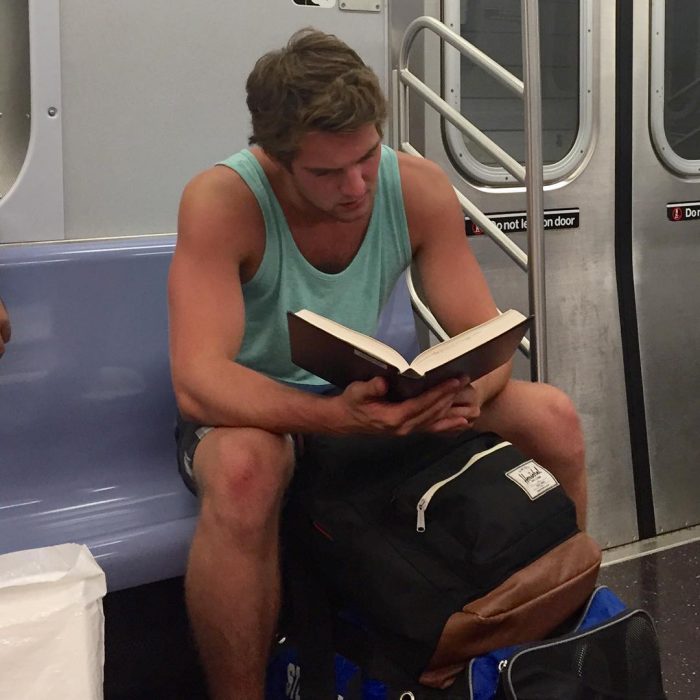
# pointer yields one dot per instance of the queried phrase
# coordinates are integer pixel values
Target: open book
(341, 355)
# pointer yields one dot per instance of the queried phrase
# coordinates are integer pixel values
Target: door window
(675, 83)
(494, 26)
(14, 90)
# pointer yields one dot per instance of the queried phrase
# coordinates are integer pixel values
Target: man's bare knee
(563, 421)
(242, 475)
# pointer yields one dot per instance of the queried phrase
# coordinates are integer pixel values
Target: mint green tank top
(286, 281)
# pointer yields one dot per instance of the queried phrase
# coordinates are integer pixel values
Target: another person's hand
(367, 411)
(5, 330)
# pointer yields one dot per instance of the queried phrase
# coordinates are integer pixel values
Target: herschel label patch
(532, 478)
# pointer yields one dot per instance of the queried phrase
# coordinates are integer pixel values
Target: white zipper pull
(428, 495)
(502, 665)
(420, 524)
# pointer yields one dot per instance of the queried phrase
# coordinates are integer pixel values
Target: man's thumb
(376, 387)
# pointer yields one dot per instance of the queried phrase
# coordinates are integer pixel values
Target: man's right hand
(366, 409)
(5, 329)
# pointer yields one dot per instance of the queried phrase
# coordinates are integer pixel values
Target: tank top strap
(249, 168)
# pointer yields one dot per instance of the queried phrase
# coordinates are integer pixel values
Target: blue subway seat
(87, 411)
(86, 408)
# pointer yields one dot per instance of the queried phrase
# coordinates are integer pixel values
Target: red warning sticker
(683, 211)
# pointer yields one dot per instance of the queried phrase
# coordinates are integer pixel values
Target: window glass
(494, 26)
(14, 90)
(682, 77)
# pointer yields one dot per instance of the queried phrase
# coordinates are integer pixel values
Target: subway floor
(665, 581)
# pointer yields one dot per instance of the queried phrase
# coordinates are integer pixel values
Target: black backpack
(442, 548)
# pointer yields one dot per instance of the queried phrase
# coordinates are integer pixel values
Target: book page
(466, 341)
(362, 342)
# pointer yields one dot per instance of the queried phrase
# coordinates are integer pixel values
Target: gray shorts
(188, 436)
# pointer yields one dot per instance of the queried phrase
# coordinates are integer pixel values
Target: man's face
(336, 173)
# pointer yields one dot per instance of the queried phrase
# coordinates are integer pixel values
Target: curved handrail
(504, 76)
(444, 108)
(531, 176)
(429, 319)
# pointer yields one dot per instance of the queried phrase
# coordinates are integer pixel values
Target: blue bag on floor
(284, 678)
(484, 670)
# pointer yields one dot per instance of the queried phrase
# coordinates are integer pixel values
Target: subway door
(583, 328)
(664, 237)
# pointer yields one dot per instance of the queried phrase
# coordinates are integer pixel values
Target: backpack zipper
(425, 499)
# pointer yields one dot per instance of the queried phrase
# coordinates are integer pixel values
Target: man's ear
(285, 162)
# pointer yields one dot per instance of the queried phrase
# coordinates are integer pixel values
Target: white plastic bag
(51, 624)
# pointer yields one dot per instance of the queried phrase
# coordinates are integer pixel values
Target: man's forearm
(493, 383)
(228, 394)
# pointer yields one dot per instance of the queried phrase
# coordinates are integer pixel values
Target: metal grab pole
(534, 184)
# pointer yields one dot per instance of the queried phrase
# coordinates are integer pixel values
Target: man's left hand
(467, 406)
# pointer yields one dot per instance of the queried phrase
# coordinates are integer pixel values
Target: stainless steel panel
(14, 90)
(584, 346)
(667, 288)
(154, 92)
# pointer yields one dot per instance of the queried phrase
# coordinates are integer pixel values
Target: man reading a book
(317, 214)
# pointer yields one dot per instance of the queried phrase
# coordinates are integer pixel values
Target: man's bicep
(205, 295)
(455, 288)
(205, 306)
(454, 285)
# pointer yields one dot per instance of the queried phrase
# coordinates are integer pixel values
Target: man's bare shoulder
(220, 191)
(424, 183)
(417, 166)
(218, 209)
(428, 196)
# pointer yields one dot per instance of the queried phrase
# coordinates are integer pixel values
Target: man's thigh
(518, 405)
(534, 416)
